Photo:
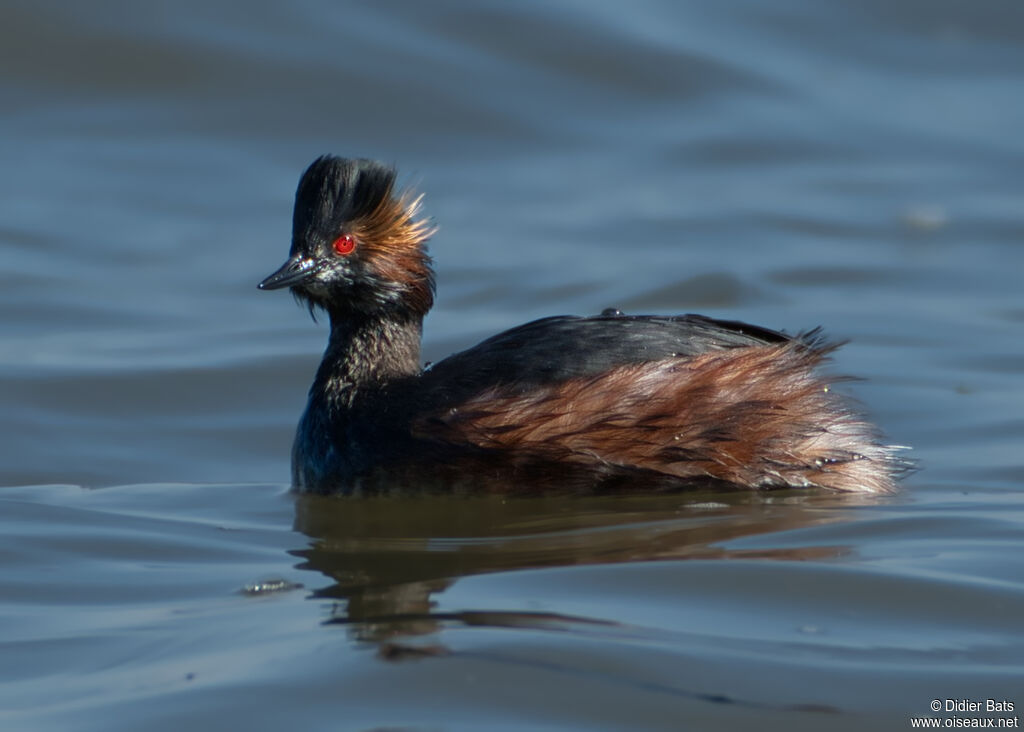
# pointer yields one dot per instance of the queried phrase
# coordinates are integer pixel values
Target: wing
(565, 347)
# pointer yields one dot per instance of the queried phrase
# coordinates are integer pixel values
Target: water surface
(854, 165)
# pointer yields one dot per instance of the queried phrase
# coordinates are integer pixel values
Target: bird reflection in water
(388, 558)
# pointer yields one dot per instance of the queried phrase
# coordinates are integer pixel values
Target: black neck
(366, 350)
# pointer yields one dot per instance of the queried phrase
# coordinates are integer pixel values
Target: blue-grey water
(854, 164)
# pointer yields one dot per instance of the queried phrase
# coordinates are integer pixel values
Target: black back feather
(565, 347)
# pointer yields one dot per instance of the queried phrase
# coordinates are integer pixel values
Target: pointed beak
(295, 271)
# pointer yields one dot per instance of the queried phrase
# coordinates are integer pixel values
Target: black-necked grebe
(607, 402)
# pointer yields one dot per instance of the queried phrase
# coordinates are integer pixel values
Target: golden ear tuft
(396, 224)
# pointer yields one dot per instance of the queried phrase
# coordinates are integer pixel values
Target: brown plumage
(615, 401)
(756, 416)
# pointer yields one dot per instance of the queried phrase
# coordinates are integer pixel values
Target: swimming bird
(608, 402)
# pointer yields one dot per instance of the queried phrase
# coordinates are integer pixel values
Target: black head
(357, 245)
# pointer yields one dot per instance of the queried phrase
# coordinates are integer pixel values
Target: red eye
(344, 245)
